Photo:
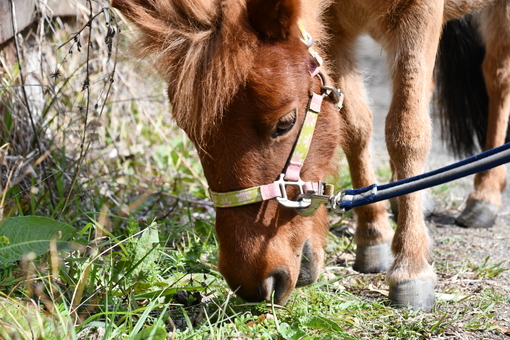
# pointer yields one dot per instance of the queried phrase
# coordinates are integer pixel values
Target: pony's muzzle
(278, 285)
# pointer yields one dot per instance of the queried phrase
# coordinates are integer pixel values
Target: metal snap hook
(335, 94)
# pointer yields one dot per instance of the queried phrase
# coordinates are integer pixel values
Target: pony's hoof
(478, 214)
(418, 294)
(373, 259)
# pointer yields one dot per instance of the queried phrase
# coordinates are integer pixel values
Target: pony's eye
(285, 123)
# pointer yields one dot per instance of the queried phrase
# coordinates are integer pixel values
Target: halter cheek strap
(277, 189)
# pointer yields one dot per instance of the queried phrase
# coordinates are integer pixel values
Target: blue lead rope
(486, 160)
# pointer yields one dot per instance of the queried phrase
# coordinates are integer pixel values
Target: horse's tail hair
(460, 96)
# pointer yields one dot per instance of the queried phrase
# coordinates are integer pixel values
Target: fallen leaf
(380, 291)
(504, 329)
(450, 297)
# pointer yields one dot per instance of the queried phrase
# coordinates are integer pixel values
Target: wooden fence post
(25, 11)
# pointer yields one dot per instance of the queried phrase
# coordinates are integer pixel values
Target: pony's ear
(273, 19)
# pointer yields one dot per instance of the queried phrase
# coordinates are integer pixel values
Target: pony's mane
(204, 49)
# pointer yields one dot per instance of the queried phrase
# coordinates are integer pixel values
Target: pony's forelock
(203, 49)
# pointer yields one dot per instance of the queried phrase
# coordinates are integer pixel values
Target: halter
(291, 173)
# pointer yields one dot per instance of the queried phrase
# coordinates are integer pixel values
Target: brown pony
(239, 81)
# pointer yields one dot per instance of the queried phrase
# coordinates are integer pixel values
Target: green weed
(487, 269)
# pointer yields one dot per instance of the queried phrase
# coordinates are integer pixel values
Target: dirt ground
(453, 246)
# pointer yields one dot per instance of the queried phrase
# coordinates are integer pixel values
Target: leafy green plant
(20, 236)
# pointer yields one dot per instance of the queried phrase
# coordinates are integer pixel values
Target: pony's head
(239, 81)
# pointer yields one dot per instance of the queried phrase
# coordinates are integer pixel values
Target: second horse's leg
(484, 203)
(373, 234)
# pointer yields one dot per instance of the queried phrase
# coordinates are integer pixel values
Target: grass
(106, 158)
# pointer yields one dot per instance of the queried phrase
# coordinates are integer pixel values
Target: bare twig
(86, 87)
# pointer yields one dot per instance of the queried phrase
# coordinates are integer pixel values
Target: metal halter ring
(335, 94)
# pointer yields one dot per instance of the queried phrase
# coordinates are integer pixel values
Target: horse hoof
(417, 293)
(478, 214)
(373, 259)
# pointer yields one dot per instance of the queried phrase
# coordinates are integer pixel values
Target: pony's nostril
(307, 270)
(277, 286)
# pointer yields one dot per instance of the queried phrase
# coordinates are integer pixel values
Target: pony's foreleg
(411, 48)
(373, 234)
(485, 202)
